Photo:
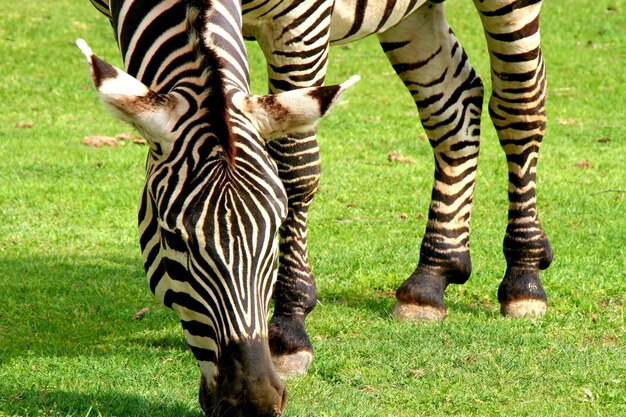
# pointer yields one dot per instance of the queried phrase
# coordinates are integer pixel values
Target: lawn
(71, 275)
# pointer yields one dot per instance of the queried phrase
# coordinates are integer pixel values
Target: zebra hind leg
(518, 114)
(448, 93)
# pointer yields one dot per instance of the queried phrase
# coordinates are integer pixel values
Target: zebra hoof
(524, 308)
(418, 313)
(292, 365)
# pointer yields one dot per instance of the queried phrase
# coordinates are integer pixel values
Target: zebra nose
(262, 398)
(247, 384)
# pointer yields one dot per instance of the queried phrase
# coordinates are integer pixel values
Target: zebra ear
(130, 100)
(293, 111)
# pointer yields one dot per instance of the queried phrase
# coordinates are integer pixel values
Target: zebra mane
(212, 65)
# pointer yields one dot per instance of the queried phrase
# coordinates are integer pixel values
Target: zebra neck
(218, 25)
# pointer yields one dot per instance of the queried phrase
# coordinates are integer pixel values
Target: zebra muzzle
(246, 383)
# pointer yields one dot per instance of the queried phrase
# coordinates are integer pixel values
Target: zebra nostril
(247, 383)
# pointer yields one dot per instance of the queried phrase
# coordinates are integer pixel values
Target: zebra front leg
(295, 294)
(448, 93)
(518, 113)
(296, 51)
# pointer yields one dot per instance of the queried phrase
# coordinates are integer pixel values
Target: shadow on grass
(167, 342)
(381, 305)
(30, 402)
(472, 309)
(376, 305)
(80, 305)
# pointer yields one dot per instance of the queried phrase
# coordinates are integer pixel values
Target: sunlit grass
(71, 274)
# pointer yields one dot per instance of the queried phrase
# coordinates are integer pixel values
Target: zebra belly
(350, 19)
(355, 19)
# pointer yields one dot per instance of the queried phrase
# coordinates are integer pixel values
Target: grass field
(71, 276)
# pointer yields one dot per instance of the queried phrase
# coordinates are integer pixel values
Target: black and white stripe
(211, 205)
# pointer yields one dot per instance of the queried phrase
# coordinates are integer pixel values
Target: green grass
(71, 276)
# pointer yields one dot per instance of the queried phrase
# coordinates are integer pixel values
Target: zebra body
(212, 201)
(344, 21)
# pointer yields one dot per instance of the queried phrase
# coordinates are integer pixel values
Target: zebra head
(209, 214)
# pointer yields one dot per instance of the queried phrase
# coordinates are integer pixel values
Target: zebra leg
(296, 55)
(517, 110)
(448, 93)
(295, 294)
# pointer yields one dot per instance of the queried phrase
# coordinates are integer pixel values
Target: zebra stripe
(102, 6)
(191, 193)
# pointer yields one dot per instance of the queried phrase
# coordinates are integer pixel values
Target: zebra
(212, 202)
(295, 35)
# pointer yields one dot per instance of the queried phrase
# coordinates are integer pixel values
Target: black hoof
(521, 294)
(420, 298)
(291, 349)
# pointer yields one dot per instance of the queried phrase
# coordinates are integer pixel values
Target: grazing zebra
(212, 201)
(294, 36)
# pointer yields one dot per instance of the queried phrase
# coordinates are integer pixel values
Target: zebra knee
(451, 113)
